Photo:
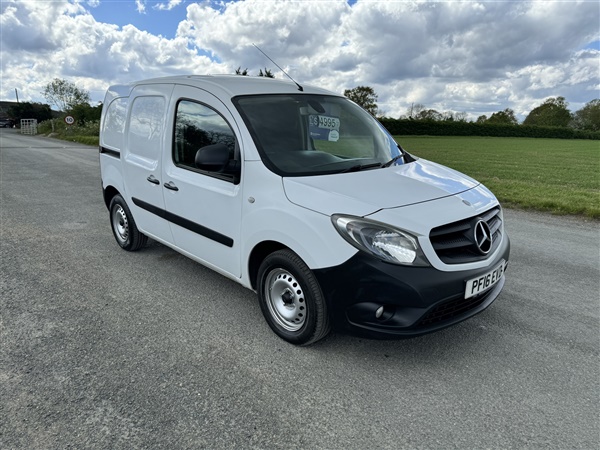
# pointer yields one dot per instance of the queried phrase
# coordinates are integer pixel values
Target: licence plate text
(485, 281)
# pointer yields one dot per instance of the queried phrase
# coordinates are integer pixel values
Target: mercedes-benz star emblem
(483, 237)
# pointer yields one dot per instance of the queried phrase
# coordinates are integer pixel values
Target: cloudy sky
(476, 57)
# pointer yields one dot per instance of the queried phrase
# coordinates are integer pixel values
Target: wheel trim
(120, 224)
(285, 299)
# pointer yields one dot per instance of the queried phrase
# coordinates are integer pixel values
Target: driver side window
(196, 126)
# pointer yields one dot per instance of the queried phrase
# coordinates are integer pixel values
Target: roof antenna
(300, 88)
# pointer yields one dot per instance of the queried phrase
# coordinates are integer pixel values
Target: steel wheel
(291, 299)
(285, 299)
(123, 226)
(120, 225)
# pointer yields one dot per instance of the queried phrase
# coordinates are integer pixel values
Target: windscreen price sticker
(69, 120)
(324, 128)
(325, 122)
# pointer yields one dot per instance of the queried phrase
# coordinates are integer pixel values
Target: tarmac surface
(102, 348)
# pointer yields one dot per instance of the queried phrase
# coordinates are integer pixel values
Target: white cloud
(64, 41)
(167, 6)
(140, 6)
(478, 57)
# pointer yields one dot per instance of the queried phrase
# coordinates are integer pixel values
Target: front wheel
(291, 299)
(123, 226)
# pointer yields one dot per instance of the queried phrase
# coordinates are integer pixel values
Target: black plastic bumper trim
(411, 296)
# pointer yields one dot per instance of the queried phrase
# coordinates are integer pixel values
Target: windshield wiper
(392, 161)
(359, 167)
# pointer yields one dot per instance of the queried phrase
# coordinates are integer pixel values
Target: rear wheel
(123, 226)
(291, 299)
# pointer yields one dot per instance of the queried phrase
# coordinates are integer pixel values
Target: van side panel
(112, 130)
(270, 216)
(143, 146)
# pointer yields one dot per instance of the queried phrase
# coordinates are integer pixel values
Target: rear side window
(146, 126)
(113, 127)
(196, 126)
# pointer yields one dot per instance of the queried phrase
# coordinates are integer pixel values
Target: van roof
(231, 85)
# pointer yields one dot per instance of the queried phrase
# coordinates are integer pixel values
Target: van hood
(363, 193)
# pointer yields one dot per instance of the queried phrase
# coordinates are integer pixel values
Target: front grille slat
(454, 243)
(456, 228)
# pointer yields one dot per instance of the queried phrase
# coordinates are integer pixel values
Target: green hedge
(432, 128)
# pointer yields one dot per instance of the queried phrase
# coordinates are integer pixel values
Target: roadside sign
(69, 120)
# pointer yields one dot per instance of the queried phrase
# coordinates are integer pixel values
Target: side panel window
(197, 126)
(113, 127)
(146, 127)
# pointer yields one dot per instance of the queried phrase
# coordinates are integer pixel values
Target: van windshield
(307, 134)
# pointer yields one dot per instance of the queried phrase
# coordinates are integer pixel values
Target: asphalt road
(101, 348)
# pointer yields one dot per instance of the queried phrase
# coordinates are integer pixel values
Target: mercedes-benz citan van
(299, 194)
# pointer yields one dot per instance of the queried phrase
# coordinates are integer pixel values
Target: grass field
(555, 175)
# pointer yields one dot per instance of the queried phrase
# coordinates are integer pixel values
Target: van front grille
(456, 243)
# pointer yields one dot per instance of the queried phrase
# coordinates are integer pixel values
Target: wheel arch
(257, 256)
(109, 193)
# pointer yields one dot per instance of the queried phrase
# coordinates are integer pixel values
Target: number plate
(484, 282)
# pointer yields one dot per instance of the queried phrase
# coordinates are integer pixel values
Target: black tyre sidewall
(316, 324)
(135, 239)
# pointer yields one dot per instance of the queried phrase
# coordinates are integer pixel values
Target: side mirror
(213, 157)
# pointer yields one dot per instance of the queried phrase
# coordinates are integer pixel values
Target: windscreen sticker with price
(324, 128)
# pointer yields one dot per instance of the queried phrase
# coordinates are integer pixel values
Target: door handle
(171, 186)
(152, 179)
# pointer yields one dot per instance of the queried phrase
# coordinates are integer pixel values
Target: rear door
(203, 207)
(144, 143)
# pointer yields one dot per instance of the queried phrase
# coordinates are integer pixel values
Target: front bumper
(415, 300)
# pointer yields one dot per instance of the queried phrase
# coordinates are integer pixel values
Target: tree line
(67, 98)
(553, 112)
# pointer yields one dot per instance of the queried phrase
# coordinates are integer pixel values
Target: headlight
(383, 241)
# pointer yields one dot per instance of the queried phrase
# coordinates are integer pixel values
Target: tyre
(123, 226)
(291, 299)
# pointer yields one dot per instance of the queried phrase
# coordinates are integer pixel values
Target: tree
(267, 73)
(365, 97)
(86, 113)
(461, 116)
(588, 117)
(429, 114)
(506, 117)
(552, 113)
(414, 110)
(65, 95)
(27, 110)
(482, 119)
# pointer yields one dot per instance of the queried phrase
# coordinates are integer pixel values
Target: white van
(300, 195)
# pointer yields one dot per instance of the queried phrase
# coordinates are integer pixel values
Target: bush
(87, 140)
(439, 128)
(63, 131)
